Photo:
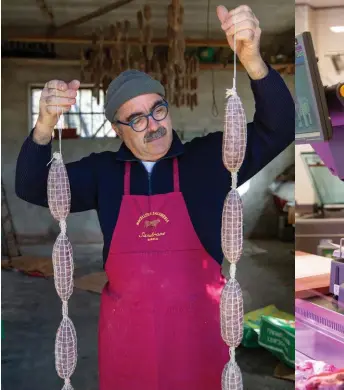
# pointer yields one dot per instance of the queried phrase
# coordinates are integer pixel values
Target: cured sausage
(234, 135)
(232, 227)
(232, 313)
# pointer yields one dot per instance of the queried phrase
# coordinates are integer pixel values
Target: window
(86, 116)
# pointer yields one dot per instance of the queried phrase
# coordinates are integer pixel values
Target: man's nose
(152, 124)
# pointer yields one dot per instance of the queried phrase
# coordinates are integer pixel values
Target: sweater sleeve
(32, 174)
(271, 131)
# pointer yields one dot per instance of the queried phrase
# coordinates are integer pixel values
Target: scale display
(312, 121)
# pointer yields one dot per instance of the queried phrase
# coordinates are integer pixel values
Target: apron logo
(150, 225)
(153, 223)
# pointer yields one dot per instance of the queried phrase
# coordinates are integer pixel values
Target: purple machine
(331, 150)
(319, 121)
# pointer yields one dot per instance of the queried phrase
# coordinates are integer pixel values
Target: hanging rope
(214, 110)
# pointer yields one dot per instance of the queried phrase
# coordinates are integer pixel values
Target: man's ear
(117, 130)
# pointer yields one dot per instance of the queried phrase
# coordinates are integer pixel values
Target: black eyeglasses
(140, 123)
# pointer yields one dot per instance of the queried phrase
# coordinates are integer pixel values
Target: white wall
(318, 22)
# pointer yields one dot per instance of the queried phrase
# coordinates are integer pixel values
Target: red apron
(159, 325)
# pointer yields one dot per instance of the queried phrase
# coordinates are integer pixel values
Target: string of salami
(231, 303)
(59, 201)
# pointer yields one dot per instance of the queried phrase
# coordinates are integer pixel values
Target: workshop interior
(319, 195)
(55, 39)
(292, 267)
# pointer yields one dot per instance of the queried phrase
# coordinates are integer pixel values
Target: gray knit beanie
(127, 85)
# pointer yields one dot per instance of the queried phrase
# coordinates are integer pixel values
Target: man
(159, 204)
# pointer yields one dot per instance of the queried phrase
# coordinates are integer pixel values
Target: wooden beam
(284, 68)
(190, 42)
(46, 11)
(100, 11)
(88, 39)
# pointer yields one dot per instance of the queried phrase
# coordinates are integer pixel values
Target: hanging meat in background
(111, 53)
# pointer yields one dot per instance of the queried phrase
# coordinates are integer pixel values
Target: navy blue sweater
(97, 180)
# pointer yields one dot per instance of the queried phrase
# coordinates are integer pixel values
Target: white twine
(232, 354)
(59, 125)
(56, 156)
(232, 91)
(65, 309)
(67, 385)
(63, 226)
(232, 270)
(234, 180)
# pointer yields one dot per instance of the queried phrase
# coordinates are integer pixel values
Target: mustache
(153, 135)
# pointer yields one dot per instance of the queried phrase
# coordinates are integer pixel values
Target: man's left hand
(242, 22)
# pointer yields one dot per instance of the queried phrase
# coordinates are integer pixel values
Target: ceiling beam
(132, 41)
(13, 36)
(282, 68)
(100, 11)
(47, 12)
(135, 41)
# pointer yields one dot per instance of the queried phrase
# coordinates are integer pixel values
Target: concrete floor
(31, 312)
